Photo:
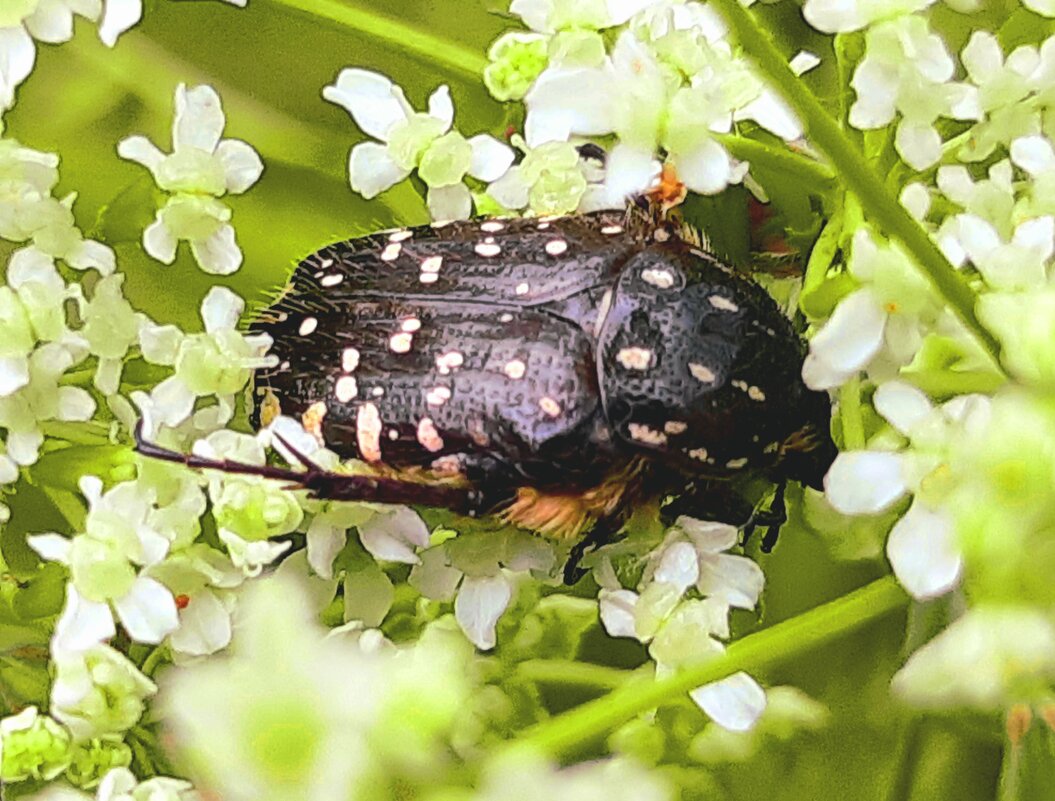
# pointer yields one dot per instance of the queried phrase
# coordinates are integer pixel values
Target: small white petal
(490, 158)
(14, 374)
(454, 202)
(922, 550)
(51, 23)
(511, 190)
(679, 566)
(52, 547)
(865, 482)
(8, 470)
(24, 446)
(630, 170)
(325, 541)
(708, 537)
(771, 111)
(903, 405)
(803, 61)
(375, 103)
(221, 309)
(736, 580)
(617, 612)
(219, 254)
(141, 150)
(159, 241)
(173, 401)
(566, 101)
(847, 342)
(480, 602)
(241, 164)
(75, 404)
(91, 255)
(393, 536)
(17, 55)
(119, 16)
(1033, 154)
(708, 169)
(441, 107)
(148, 611)
(919, 144)
(735, 703)
(372, 170)
(204, 626)
(82, 624)
(199, 118)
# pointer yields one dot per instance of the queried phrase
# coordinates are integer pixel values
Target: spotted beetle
(552, 372)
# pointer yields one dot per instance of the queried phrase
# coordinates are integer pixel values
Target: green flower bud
(255, 511)
(577, 49)
(190, 169)
(101, 570)
(408, 141)
(211, 364)
(92, 760)
(34, 746)
(517, 59)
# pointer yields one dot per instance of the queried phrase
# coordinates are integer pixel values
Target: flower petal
(375, 103)
(242, 166)
(392, 536)
(221, 309)
(119, 16)
(630, 170)
(148, 611)
(678, 566)
(159, 241)
(14, 374)
(82, 624)
(903, 405)
(199, 118)
(480, 602)
(51, 23)
(441, 107)
(204, 626)
(847, 342)
(706, 169)
(17, 55)
(219, 253)
(865, 482)
(735, 703)
(325, 541)
(373, 170)
(736, 580)
(52, 547)
(617, 612)
(75, 404)
(922, 550)
(453, 202)
(490, 158)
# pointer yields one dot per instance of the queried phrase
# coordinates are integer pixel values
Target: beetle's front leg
(713, 500)
(602, 531)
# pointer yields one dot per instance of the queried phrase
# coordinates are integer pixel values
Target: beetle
(551, 372)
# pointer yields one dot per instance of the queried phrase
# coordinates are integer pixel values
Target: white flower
(552, 178)
(548, 16)
(878, 327)
(106, 564)
(990, 657)
(217, 362)
(97, 692)
(201, 168)
(412, 140)
(908, 71)
(843, 16)
(120, 784)
(922, 548)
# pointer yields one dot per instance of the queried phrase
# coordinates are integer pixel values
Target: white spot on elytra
(515, 369)
(377, 392)
(542, 226)
(736, 464)
(324, 263)
(368, 432)
(400, 236)
(428, 436)
(661, 235)
(646, 434)
(492, 226)
(556, 247)
(437, 396)
(487, 249)
(723, 303)
(675, 427)
(634, 358)
(332, 279)
(448, 361)
(428, 278)
(308, 326)
(393, 434)
(284, 365)
(701, 373)
(612, 229)
(664, 279)
(522, 288)
(755, 393)
(349, 360)
(505, 317)
(391, 252)
(549, 407)
(699, 454)
(431, 264)
(411, 324)
(346, 388)
(401, 342)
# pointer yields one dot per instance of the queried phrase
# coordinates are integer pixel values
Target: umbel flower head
(201, 168)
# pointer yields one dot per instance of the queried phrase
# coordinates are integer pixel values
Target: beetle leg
(715, 501)
(771, 519)
(328, 485)
(601, 532)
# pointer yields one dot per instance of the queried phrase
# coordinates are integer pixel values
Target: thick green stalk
(404, 38)
(856, 173)
(818, 177)
(574, 729)
(569, 673)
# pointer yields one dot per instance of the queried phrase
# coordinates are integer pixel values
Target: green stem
(573, 729)
(569, 673)
(150, 664)
(950, 383)
(818, 178)
(858, 175)
(402, 37)
(850, 415)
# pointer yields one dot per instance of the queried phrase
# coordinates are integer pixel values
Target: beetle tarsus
(602, 531)
(772, 519)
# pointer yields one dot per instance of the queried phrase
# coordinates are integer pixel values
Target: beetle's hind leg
(772, 519)
(602, 531)
(326, 484)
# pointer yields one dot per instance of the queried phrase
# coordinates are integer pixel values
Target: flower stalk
(572, 730)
